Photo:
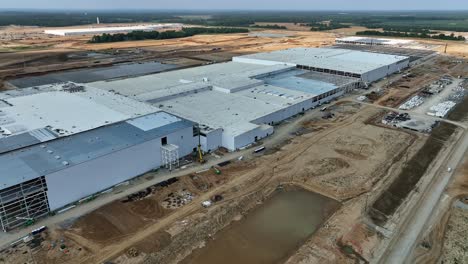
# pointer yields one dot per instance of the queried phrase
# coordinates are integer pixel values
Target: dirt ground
(289, 26)
(329, 160)
(447, 239)
(455, 240)
(346, 158)
(26, 51)
(396, 92)
(29, 52)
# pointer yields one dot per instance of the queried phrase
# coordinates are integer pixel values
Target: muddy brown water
(270, 233)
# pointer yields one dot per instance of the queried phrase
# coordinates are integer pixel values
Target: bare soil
(391, 199)
(45, 54)
(447, 237)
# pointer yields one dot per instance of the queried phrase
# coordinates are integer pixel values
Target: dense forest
(327, 26)
(402, 21)
(275, 26)
(142, 35)
(410, 35)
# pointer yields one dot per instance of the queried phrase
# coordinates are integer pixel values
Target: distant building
(366, 66)
(373, 41)
(109, 30)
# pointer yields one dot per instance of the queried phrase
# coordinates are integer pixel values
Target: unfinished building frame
(23, 203)
(170, 156)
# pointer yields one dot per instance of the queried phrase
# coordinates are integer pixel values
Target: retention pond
(94, 74)
(271, 232)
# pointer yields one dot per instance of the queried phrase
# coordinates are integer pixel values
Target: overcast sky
(241, 4)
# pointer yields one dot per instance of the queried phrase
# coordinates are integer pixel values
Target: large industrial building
(236, 104)
(366, 66)
(60, 143)
(373, 41)
(110, 30)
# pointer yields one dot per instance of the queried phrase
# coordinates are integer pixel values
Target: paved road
(406, 237)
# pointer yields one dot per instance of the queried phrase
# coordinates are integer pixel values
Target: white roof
(334, 59)
(227, 72)
(229, 76)
(234, 112)
(64, 110)
(108, 29)
(384, 41)
(228, 95)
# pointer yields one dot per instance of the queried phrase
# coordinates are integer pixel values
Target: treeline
(410, 35)
(401, 21)
(406, 29)
(142, 35)
(63, 19)
(327, 26)
(275, 26)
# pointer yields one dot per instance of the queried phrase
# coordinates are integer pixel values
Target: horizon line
(229, 10)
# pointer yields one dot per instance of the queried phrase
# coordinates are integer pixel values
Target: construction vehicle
(199, 149)
(29, 221)
(216, 170)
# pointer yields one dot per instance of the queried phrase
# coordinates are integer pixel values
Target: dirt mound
(350, 154)
(326, 165)
(148, 208)
(107, 223)
(154, 242)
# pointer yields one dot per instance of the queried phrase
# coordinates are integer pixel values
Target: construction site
(282, 146)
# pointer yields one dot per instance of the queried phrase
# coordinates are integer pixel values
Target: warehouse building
(108, 139)
(110, 30)
(366, 66)
(63, 142)
(373, 41)
(235, 103)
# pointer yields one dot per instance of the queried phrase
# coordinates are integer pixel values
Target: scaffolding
(23, 203)
(170, 156)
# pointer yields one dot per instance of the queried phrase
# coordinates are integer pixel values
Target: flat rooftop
(413, 52)
(63, 109)
(42, 159)
(228, 95)
(326, 58)
(233, 111)
(375, 41)
(229, 75)
(91, 30)
(314, 83)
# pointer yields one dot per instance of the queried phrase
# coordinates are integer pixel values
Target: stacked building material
(441, 109)
(415, 101)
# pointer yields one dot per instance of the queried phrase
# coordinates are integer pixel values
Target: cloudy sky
(241, 4)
